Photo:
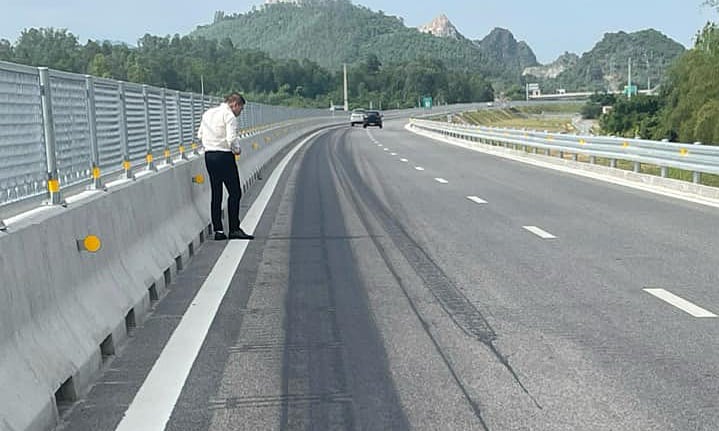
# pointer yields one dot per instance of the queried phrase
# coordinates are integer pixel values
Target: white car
(357, 117)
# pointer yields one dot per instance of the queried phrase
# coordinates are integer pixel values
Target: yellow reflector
(126, 165)
(149, 158)
(92, 243)
(625, 144)
(53, 186)
(95, 172)
(182, 149)
(193, 146)
(198, 179)
(582, 142)
(167, 154)
(255, 145)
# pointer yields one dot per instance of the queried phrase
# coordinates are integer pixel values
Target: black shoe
(220, 236)
(240, 234)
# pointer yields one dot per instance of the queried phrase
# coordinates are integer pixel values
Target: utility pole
(629, 79)
(347, 106)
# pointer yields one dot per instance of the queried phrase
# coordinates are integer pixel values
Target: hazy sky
(550, 27)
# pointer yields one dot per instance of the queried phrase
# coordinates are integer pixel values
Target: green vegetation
(336, 32)
(530, 118)
(182, 62)
(606, 66)
(685, 110)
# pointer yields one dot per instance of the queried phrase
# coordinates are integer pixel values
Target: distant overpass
(579, 95)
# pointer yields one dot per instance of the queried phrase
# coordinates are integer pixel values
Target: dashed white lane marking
(394, 154)
(153, 404)
(680, 303)
(419, 168)
(386, 149)
(404, 160)
(476, 199)
(539, 232)
(441, 180)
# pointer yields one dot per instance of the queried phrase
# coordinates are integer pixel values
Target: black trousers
(222, 169)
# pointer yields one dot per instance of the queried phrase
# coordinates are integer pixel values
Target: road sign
(630, 89)
(427, 102)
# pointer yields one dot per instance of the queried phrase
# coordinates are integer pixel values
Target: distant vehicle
(490, 104)
(372, 118)
(357, 117)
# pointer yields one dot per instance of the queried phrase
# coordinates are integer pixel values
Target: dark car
(372, 118)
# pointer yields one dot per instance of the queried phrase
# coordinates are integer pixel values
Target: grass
(515, 119)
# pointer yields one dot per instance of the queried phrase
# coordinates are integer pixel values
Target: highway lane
(380, 296)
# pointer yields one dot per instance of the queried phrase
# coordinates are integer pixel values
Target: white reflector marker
(539, 232)
(476, 199)
(680, 303)
(441, 180)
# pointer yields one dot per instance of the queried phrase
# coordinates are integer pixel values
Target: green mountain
(334, 32)
(606, 66)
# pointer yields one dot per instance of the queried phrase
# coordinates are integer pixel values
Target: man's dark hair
(235, 97)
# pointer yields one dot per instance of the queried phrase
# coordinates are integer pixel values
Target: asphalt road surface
(401, 283)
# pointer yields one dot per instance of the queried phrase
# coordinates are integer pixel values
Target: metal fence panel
(23, 163)
(136, 130)
(142, 117)
(72, 129)
(107, 104)
(173, 121)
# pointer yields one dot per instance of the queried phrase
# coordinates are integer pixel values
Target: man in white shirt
(219, 135)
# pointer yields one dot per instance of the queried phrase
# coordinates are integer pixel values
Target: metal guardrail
(59, 130)
(695, 157)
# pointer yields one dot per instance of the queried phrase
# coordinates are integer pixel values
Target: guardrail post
(92, 125)
(53, 182)
(592, 160)
(149, 159)
(637, 167)
(613, 163)
(697, 176)
(3, 228)
(195, 147)
(575, 157)
(124, 139)
(663, 171)
(165, 130)
(178, 98)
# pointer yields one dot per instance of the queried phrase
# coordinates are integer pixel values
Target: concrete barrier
(63, 310)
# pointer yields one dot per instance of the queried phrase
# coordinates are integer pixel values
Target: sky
(550, 27)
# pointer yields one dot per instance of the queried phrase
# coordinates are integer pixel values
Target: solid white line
(419, 168)
(404, 160)
(539, 232)
(476, 199)
(441, 180)
(680, 303)
(153, 404)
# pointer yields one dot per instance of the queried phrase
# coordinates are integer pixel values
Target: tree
(6, 50)
(99, 66)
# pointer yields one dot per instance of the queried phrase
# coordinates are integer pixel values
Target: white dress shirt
(219, 130)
